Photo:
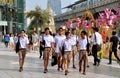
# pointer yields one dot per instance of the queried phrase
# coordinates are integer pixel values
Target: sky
(31, 4)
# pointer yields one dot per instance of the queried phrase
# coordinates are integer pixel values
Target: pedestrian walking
(49, 43)
(30, 42)
(114, 41)
(83, 55)
(35, 41)
(74, 38)
(23, 47)
(97, 43)
(6, 39)
(11, 42)
(58, 40)
(67, 44)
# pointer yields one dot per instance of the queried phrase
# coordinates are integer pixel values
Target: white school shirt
(58, 41)
(74, 39)
(98, 38)
(48, 40)
(83, 44)
(23, 42)
(67, 43)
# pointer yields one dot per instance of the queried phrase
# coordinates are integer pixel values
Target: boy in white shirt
(67, 43)
(49, 43)
(83, 52)
(58, 40)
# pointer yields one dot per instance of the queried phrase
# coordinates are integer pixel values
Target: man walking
(74, 38)
(58, 40)
(97, 41)
(22, 49)
(113, 47)
(49, 43)
(83, 52)
(67, 43)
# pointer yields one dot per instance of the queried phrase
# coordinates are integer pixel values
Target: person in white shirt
(22, 49)
(96, 40)
(74, 38)
(58, 40)
(11, 42)
(35, 41)
(67, 44)
(49, 44)
(83, 52)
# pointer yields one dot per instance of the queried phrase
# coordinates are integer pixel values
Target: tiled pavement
(33, 67)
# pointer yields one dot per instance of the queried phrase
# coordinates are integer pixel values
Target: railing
(85, 8)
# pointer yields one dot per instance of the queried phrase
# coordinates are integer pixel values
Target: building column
(0, 20)
(11, 25)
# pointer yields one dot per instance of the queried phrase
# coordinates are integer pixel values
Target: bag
(98, 47)
(54, 60)
(100, 54)
(17, 45)
(42, 44)
(63, 49)
(88, 47)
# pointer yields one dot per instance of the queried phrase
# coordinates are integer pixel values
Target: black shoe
(94, 64)
(109, 63)
(66, 73)
(98, 63)
(88, 66)
(45, 71)
(40, 57)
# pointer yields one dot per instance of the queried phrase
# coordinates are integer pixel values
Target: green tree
(38, 18)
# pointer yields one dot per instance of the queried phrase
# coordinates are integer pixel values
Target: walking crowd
(64, 47)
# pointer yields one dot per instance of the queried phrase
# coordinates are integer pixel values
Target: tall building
(11, 16)
(56, 6)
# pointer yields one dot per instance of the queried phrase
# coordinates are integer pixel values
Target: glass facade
(56, 6)
(12, 12)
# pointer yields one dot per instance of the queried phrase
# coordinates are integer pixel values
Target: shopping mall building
(11, 16)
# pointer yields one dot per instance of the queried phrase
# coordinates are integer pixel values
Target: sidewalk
(33, 67)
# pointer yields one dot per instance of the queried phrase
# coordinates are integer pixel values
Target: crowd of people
(64, 46)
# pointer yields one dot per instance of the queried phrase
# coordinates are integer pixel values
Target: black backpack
(17, 45)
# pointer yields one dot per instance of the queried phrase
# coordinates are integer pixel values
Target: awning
(3, 23)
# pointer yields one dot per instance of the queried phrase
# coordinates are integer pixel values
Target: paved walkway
(33, 68)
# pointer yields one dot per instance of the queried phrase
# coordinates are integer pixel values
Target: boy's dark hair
(67, 33)
(84, 32)
(47, 29)
(95, 29)
(60, 28)
(73, 29)
(23, 31)
(114, 33)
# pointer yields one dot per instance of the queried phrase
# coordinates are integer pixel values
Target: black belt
(22, 48)
(47, 47)
(83, 50)
(68, 51)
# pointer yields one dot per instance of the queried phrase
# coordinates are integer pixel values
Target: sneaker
(74, 67)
